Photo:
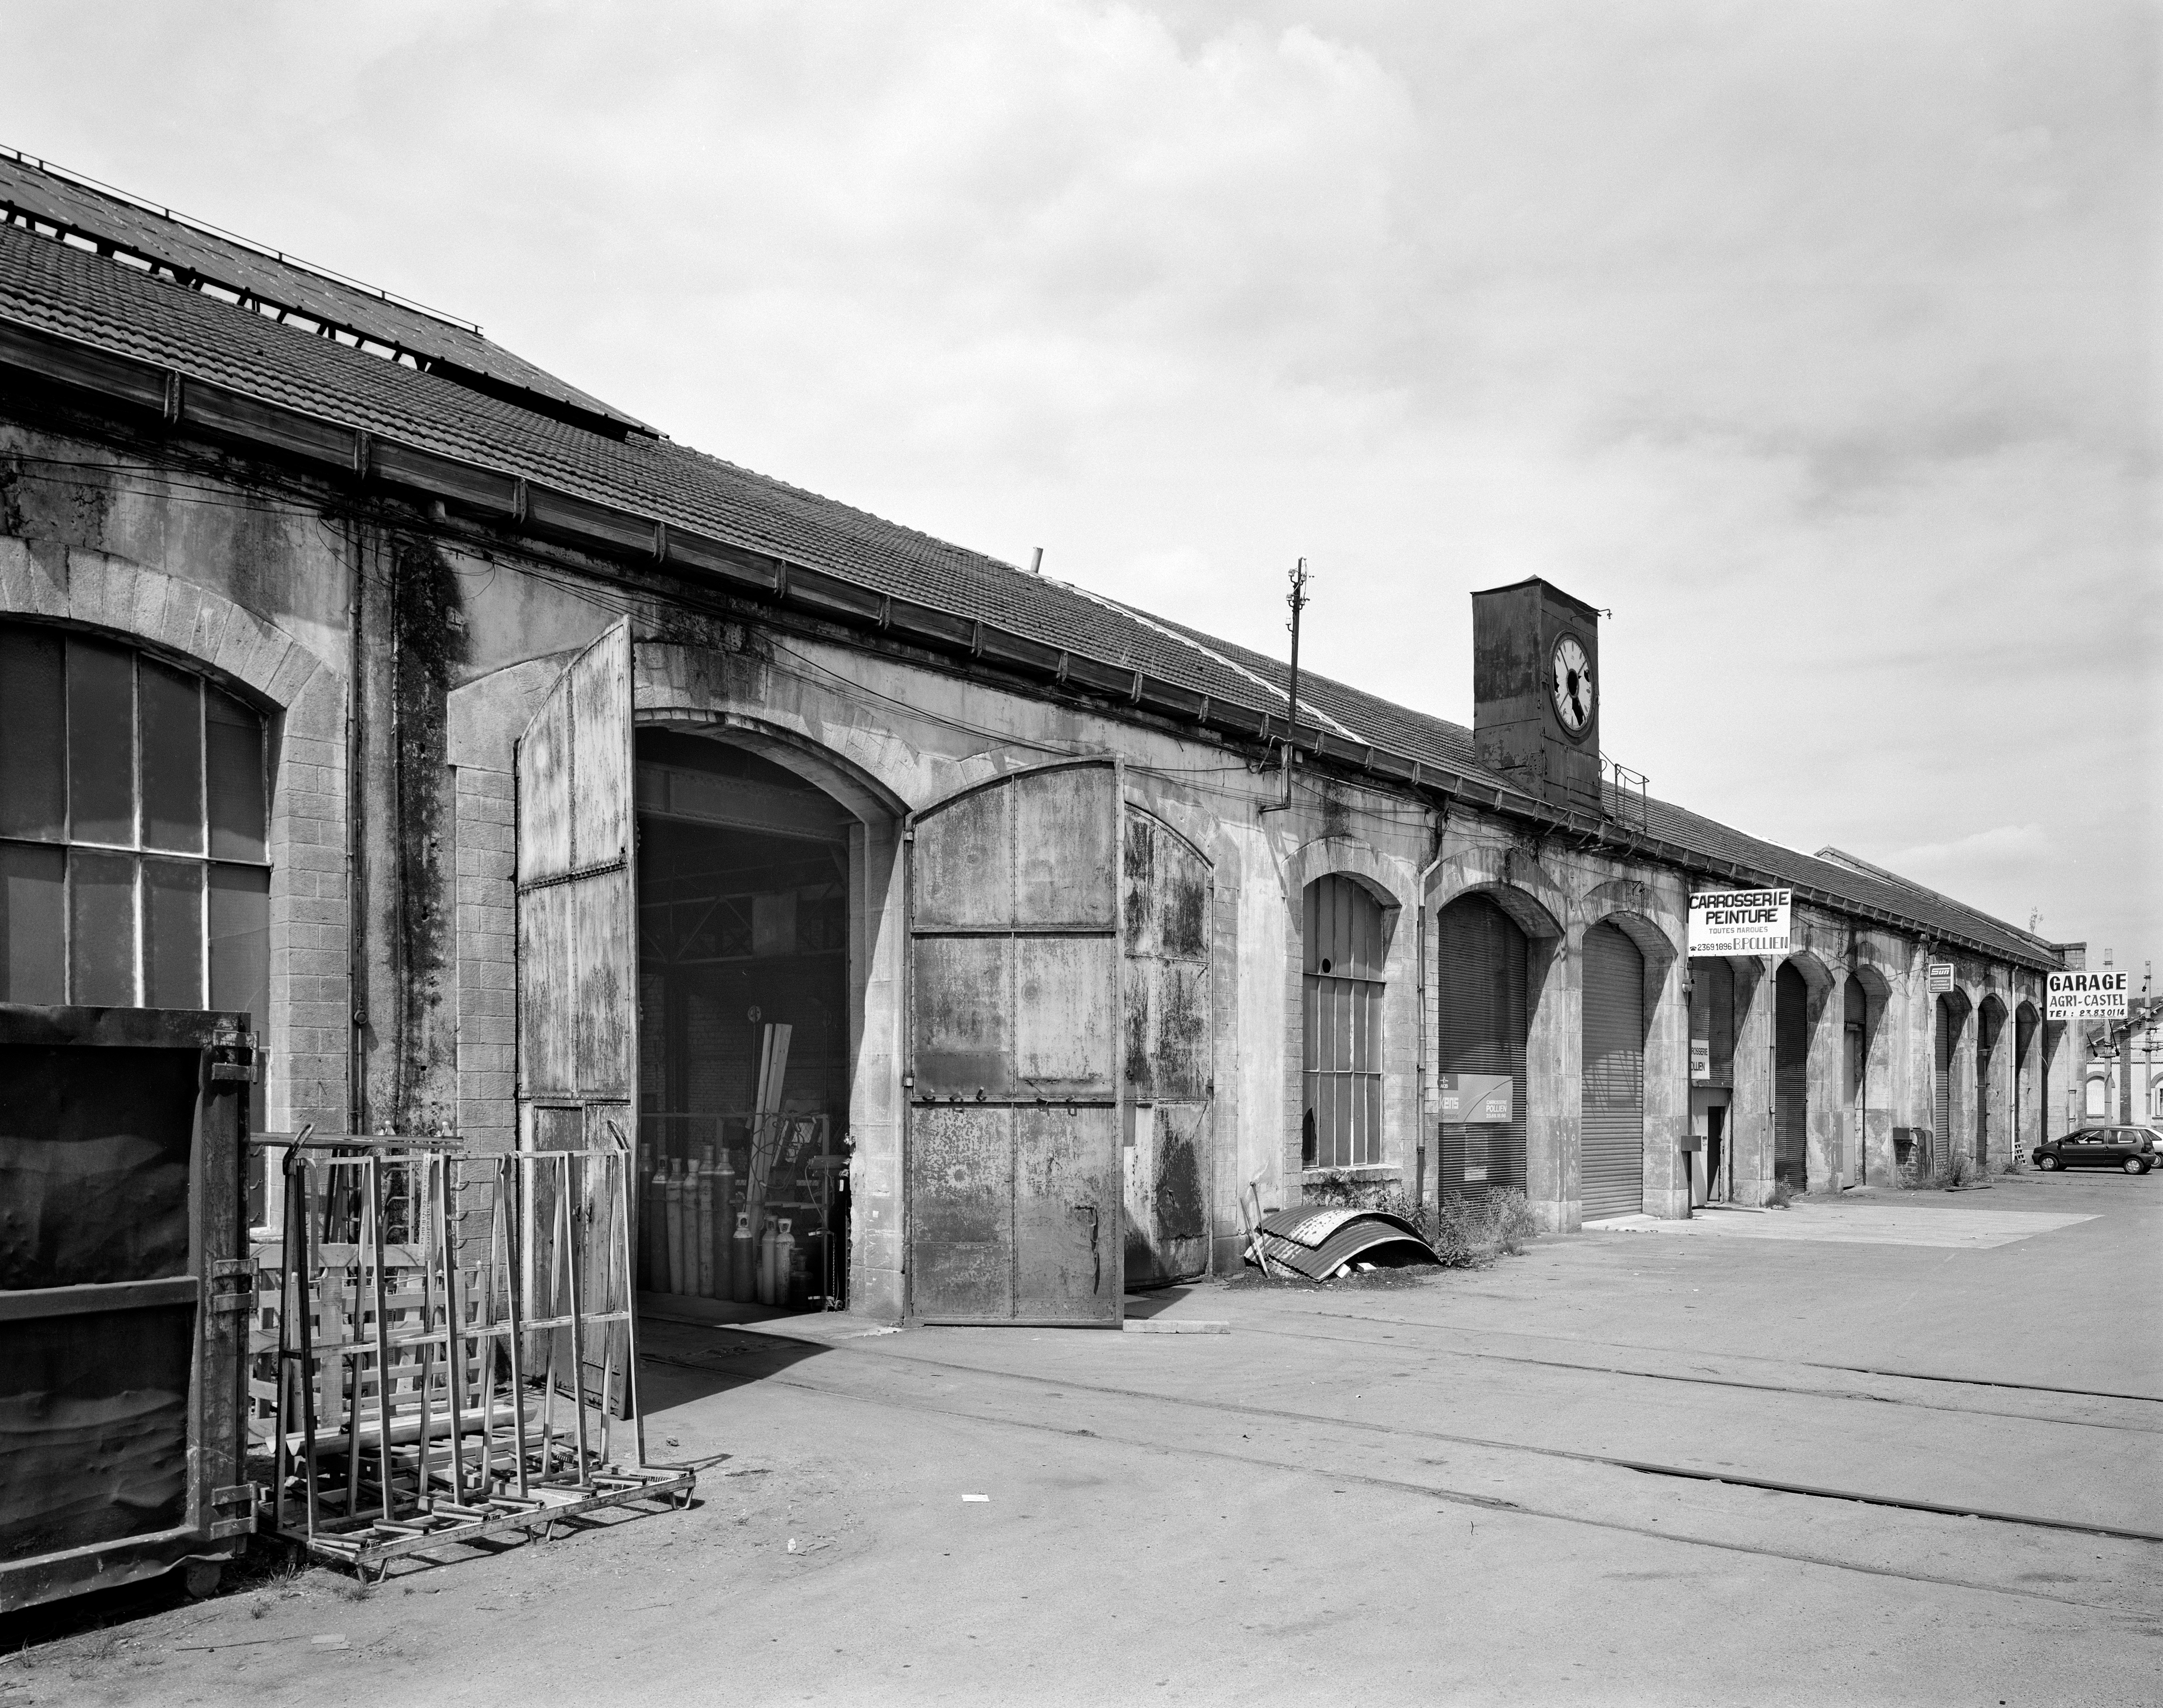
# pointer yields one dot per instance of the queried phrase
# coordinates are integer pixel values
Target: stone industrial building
(529, 776)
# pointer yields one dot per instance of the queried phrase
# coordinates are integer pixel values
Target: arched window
(1343, 943)
(134, 871)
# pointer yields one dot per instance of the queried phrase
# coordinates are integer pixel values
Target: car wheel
(2136, 1165)
(2046, 1163)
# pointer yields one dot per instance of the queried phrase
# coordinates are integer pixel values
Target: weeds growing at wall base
(1466, 1233)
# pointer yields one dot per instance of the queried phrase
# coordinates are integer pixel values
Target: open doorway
(743, 1032)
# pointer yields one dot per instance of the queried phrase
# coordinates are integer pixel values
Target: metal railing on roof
(1627, 791)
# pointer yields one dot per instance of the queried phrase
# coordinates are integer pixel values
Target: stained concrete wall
(401, 657)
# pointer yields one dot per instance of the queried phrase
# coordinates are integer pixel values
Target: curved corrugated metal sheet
(1317, 1241)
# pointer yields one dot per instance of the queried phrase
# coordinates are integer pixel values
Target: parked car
(2136, 1149)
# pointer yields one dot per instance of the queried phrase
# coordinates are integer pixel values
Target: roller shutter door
(1613, 1071)
(1482, 1030)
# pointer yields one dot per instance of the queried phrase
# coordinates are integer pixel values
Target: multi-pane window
(1344, 943)
(133, 866)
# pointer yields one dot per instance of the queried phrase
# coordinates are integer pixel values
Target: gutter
(546, 513)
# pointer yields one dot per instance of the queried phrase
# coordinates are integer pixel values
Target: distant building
(523, 773)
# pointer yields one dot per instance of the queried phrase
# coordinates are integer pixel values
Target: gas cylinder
(743, 1261)
(783, 1252)
(679, 1260)
(702, 1219)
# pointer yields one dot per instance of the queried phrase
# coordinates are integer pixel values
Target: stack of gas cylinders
(700, 1238)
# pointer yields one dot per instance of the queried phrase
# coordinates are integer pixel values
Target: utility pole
(1296, 599)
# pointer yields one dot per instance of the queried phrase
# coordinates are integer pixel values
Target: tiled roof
(194, 252)
(73, 294)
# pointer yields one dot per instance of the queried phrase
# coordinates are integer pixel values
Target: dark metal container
(125, 1288)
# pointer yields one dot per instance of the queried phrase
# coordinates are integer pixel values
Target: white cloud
(1818, 341)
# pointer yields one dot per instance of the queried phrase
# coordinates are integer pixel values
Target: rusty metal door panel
(578, 912)
(961, 1222)
(1014, 966)
(1169, 1061)
(961, 1017)
(1065, 1038)
(1067, 1232)
(961, 877)
(1167, 1194)
(1066, 836)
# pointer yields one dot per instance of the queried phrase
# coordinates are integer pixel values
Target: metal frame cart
(447, 1347)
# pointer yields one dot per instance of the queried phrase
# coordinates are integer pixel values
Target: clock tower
(1535, 691)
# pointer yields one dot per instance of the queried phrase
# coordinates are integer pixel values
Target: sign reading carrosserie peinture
(1740, 921)
(2086, 996)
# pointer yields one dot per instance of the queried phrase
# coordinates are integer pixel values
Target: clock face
(1571, 687)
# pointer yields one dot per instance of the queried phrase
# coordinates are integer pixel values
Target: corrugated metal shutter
(1613, 1070)
(1480, 987)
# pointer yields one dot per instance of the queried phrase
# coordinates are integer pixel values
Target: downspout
(1427, 1040)
(356, 911)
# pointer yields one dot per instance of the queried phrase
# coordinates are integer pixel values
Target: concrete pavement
(1485, 1486)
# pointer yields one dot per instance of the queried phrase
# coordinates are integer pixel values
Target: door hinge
(235, 1495)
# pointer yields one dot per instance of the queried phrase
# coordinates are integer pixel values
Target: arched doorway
(744, 1026)
(1791, 1068)
(1481, 1027)
(1949, 1015)
(1612, 1110)
(1990, 1114)
(2027, 1078)
(1712, 1079)
(1343, 946)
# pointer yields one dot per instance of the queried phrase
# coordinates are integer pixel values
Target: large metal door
(1613, 1123)
(577, 907)
(1169, 1038)
(578, 938)
(1015, 1098)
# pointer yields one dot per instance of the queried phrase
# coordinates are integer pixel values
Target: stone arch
(164, 613)
(1343, 856)
(868, 798)
(1516, 884)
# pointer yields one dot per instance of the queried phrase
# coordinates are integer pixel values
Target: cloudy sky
(1817, 340)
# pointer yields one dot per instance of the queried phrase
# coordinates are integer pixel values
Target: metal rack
(451, 1345)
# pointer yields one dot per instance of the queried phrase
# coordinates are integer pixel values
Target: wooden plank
(105, 1295)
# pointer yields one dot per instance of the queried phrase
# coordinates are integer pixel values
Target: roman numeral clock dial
(1572, 686)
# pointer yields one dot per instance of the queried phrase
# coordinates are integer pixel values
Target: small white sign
(1700, 1058)
(1940, 977)
(2088, 996)
(1741, 921)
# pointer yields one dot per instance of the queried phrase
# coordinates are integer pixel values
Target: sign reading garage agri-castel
(1740, 921)
(2086, 996)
